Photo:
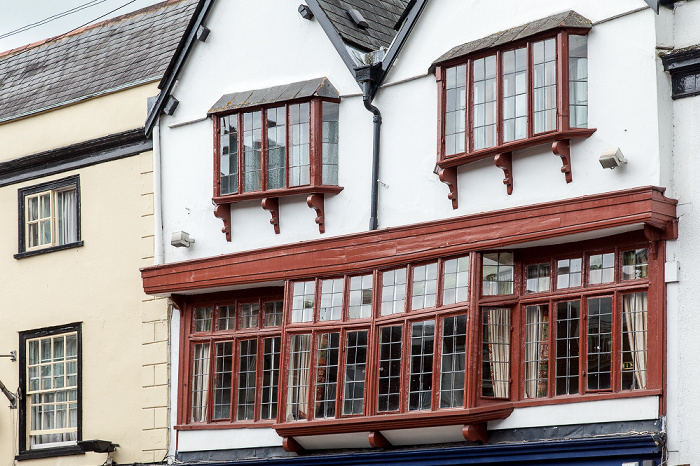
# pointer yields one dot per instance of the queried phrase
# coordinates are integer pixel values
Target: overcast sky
(16, 14)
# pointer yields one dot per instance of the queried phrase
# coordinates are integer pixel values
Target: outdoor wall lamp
(612, 158)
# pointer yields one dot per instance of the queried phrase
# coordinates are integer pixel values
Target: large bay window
(440, 337)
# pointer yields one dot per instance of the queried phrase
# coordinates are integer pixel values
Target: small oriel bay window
(512, 90)
(49, 217)
(441, 341)
(275, 142)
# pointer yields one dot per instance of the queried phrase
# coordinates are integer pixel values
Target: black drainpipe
(367, 76)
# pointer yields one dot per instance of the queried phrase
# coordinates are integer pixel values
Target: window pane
(420, 388)
(202, 319)
(601, 268)
(249, 315)
(578, 81)
(497, 273)
(537, 278)
(634, 341)
(545, 98)
(276, 147)
(360, 299)
(455, 111)
(393, 291)
(355, 365)
(635, 264)
(496, 353)
(200, 382)
(298, 378)
(227, 318)
(299, 173)
(222, 380)
(567, 347)
(331, 299)
(326, 374)
(536, 351)
(599, 343)
(454, 341)
(484, 102)
(303, 302)
(569, 273)
(389, 387)
(273, 313)
(455, 286)
(252, 146)
(514, 94)
(424, 286)
(66, 216)
(330, 142)
(229, 154)
(270, 377)
(247, 370)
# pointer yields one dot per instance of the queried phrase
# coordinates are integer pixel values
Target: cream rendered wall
(124, 331)
(624, 100)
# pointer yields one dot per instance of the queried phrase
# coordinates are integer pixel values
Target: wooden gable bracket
(292, 446)
(315, 201)
(449, 177)
(563, 150)
(475, 433)
(504, 161)
(223, 211)
(377, 440)
(272, 205)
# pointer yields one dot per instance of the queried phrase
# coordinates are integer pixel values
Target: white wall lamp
(181, 239)
(612, 158)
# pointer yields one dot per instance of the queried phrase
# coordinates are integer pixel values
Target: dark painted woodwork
(399, 245)
(504, 161)
(292, 446)
(562, 148)
(377, 440)
(315, 201)
(223, 212)
(449, 177)
(475, 433)
(272, 205)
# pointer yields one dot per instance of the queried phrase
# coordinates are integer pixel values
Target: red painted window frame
(563, 130)
(315, 154)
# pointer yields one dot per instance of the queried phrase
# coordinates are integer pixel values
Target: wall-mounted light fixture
(181, 239)
(306, 12)
(612, 158)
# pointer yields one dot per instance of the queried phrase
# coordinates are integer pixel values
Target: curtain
(66, 217)
(634, 314)
(298, 385)
(536, 351)
(499, 350)
(200, 382)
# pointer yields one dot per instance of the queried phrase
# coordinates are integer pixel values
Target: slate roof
(566, 19)
(113, 54)
(319, 87)
(381, 15)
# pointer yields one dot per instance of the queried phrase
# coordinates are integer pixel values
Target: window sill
(49, 452)
(394, 421)
(226, 425)
(270, 202)
(36, 252)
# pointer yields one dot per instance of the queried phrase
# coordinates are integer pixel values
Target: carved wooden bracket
(653, 235)
(504, 161)
(377, 440)
(315, 201)
(562, 149)
(292, 446)
(272, 204)
(449, 177)
(178, 301)
(223, 211)
(475, 433)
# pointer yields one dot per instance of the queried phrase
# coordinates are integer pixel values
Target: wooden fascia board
(399, 245)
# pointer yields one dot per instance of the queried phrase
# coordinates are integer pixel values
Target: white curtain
(536, 323)
(200, 382)
(634, 314)
(499, 350)
(66, 217)
(298, 385)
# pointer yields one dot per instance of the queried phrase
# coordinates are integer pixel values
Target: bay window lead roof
(382, 17)
(319, 87)
(567, 19)
(125, 51)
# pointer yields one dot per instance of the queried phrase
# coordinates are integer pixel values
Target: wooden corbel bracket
(315, 201)
(504, 161)
(272, 205)
(563, 150)
(475, 433)
(449, 177)
(292, 446)
(377, 440)
(223, 212)
(653, 235)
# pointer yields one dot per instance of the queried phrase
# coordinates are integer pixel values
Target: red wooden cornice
(644, 206)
